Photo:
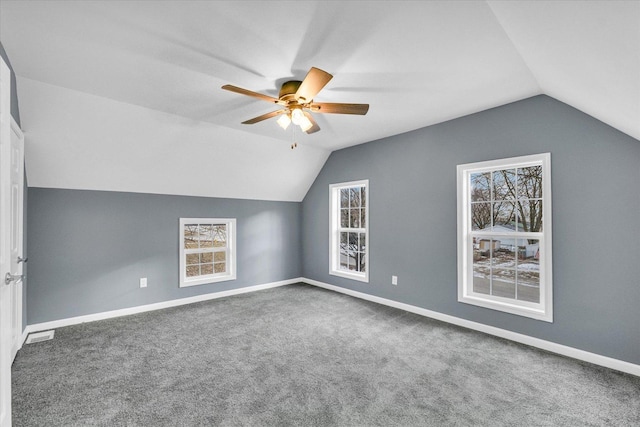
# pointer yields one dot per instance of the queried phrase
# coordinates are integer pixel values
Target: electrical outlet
(394, 280)
(143, 282)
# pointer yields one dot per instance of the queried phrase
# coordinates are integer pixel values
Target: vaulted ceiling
(126, 96)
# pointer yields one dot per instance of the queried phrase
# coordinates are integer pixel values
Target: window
(504, 235)
(207, 250)
(349, 254)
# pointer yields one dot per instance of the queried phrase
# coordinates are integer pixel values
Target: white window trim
(543, 310)
(334, 235)
(231, 243)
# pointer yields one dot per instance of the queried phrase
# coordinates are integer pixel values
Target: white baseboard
(564, 350)
(151, 307)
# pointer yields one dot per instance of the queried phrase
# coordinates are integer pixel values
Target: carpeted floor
(302, 356)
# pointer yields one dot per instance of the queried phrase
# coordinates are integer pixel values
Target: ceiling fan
(296, 98)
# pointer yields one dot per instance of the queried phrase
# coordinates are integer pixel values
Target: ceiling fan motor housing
(289, 89)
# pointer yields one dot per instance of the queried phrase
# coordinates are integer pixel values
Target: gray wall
(596, 231)
(88, 249)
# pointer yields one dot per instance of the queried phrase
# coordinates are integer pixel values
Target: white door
(10, 235)
(16, 193)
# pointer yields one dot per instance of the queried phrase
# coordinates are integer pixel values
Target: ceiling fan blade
(315, 127)
(263, 117)
(338, 108)
(247, 92)
(313, 83)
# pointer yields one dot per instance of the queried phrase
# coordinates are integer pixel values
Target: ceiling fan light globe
(284, 121)
(305, 124)
(297, 116)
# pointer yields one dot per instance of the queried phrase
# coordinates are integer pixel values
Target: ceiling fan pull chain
(294, 144)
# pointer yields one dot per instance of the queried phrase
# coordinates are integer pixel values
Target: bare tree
(530, 198)
(507, 197)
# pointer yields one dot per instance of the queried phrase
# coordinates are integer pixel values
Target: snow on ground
(529, 267)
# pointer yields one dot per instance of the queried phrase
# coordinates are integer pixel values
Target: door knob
(8, 278)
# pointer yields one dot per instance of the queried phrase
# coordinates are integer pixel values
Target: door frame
(5, 265)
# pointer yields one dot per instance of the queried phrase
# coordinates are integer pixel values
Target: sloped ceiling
(126, 95)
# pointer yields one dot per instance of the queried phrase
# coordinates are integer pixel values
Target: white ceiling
(126, 95)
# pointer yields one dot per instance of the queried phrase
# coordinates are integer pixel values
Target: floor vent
(40, 336)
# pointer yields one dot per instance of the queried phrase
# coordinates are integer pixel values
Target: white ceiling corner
(126, 95)
(584, 53)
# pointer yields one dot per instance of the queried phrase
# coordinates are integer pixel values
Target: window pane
(481, 279)
(529, 270)
(477, 252)
(220, 267)
(528, 252)
(190, 236)
(220, 256)
(219, 235)
(344, 251)
(363, 196)
(354, 217)
(503, 255)
(504, 216)
(481, 187)
(480, 216)
(192, 259)
(193, 270)
(362, 261)
(504, 283)
(344, 198)
(353, 241)
(363, 218)
(504, 184)
(482, 265)
(484, 248)
(503, 262)
(363, 242)
(352, 261)
(530, 182)
(352, 251)
(530, 215)
(205, 236)
(344, 218)
(206, 269)
(529, 287)
(354, 197)
(206, 257)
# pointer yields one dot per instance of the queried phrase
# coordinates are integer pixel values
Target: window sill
(206, 280)
(507, 306)
(353, 276)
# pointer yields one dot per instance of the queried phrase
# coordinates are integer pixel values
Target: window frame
(230, 250)
(335, 229)
(540, 311)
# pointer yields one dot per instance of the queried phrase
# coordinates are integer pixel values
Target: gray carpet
(302, 356)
